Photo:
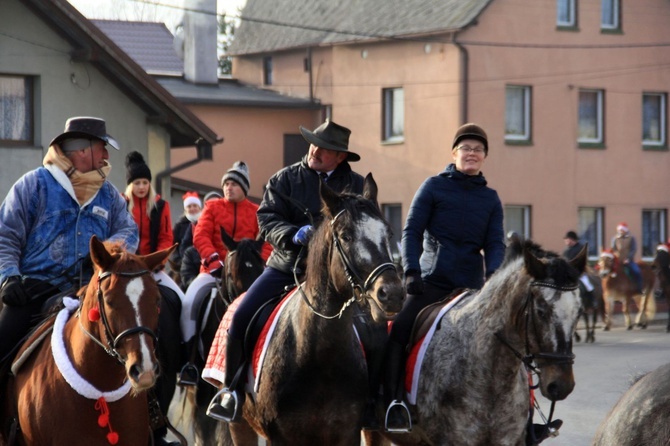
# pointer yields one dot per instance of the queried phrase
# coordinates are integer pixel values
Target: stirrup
(403, 405)
(216, 409)
(188, 375)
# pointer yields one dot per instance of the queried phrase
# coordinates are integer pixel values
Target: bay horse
(618, 286)
(314, 383)
(661, 266)
(85, 370)
(241, 267)
(474, 385)
(640, 417)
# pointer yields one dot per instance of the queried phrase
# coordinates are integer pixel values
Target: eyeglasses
(468, 149)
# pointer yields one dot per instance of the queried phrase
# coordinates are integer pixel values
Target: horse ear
(158, 259)
(331, 200)
(99, 254)
(534, 266)
(370, 188)
(579, 262)
(231, 244)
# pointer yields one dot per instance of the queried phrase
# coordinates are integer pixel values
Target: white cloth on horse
(189, 311)
(587, 283)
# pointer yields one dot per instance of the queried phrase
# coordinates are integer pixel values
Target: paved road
(603, 371)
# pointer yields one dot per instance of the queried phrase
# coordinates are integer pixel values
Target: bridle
(359, 286)
(114, 341)
(529, 358)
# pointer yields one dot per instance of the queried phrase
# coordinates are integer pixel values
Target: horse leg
(626, 312)
(242, 433)
(609, 309)
(641, 320)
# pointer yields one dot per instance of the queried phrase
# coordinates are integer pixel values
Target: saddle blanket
(214, 371)
(418, 352)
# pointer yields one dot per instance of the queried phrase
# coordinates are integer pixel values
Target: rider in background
(453, 218)
(48, 219)
(235, 214)
(625, 247)
(291, 206)
(573, 247)
(182, 231)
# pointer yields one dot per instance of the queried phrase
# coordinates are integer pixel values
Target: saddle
(424, 320)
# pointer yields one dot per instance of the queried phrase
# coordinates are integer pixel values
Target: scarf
(85, 185)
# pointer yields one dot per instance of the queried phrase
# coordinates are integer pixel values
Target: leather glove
(303, 235)
(413, 283)
(214, 265)
(13, 293)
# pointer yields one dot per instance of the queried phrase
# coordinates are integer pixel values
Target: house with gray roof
(573, 96)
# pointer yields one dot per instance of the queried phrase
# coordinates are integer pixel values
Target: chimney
(200, 36)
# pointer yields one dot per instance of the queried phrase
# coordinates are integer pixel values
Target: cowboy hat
(85, 127)
(331, 136)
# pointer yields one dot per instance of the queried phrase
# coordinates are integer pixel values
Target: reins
(359, 286)
(528, 359)
(113, 341)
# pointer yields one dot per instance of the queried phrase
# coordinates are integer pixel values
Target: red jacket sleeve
(202, 237)
(165, 236)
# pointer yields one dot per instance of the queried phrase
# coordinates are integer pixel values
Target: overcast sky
(169, 12)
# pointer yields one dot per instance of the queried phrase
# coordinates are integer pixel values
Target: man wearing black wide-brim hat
(48, 219)
(291, 205)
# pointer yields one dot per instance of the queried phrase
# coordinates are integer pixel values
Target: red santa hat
(622, 227)
(191, 198)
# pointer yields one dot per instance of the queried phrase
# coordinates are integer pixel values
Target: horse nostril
(134, 372)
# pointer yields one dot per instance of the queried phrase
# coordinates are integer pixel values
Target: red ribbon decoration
(103, 420)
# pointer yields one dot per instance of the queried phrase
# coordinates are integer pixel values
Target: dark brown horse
(640, 417)
(661, 267)
(84, 382)
(314, 384)
(473, 385)
(618, 286)
(592, 305)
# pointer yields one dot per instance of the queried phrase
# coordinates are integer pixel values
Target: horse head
(550, 316)
(122, 304)
(661, 263)
(357, 241)
(607, 263)
(243, 264)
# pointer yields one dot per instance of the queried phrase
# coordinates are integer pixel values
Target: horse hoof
(607, 328)
(578, 338)
(630, 327)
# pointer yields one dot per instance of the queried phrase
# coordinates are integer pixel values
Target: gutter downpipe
(309, 70)
(465, 62)
(204, 153)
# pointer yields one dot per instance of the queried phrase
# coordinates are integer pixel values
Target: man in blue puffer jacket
(454, 216)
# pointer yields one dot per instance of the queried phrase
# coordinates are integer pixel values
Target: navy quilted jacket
(454, 230)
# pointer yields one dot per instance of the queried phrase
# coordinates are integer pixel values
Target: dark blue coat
(452, 219)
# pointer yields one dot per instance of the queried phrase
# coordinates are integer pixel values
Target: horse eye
(346, 237)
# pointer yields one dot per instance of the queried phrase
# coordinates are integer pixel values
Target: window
(517, 113)
(566, 13)
(610, 15)
(16, 110)
(591, 117)
(393, 215)
(394, 114)
(653, 119)
(267, 70)
(653, 231)
(517, 219)
(590, 229)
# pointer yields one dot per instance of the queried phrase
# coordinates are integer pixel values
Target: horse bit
(113, 342)
(359, 286)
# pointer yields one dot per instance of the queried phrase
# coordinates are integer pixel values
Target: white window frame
(519, 223)
(590, 228)
(393, 110)
(521, 115)
(568, 16)
(16, 110)
(598, 108)
(653, 222)
(611, 21)
(659, 119)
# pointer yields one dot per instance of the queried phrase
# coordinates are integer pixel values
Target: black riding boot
(229, 407)
(398, 418)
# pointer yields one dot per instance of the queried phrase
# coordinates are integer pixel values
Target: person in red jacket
(150, 211)
(236, 215)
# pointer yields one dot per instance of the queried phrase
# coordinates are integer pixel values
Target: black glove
(413, 282)
(13, 293)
